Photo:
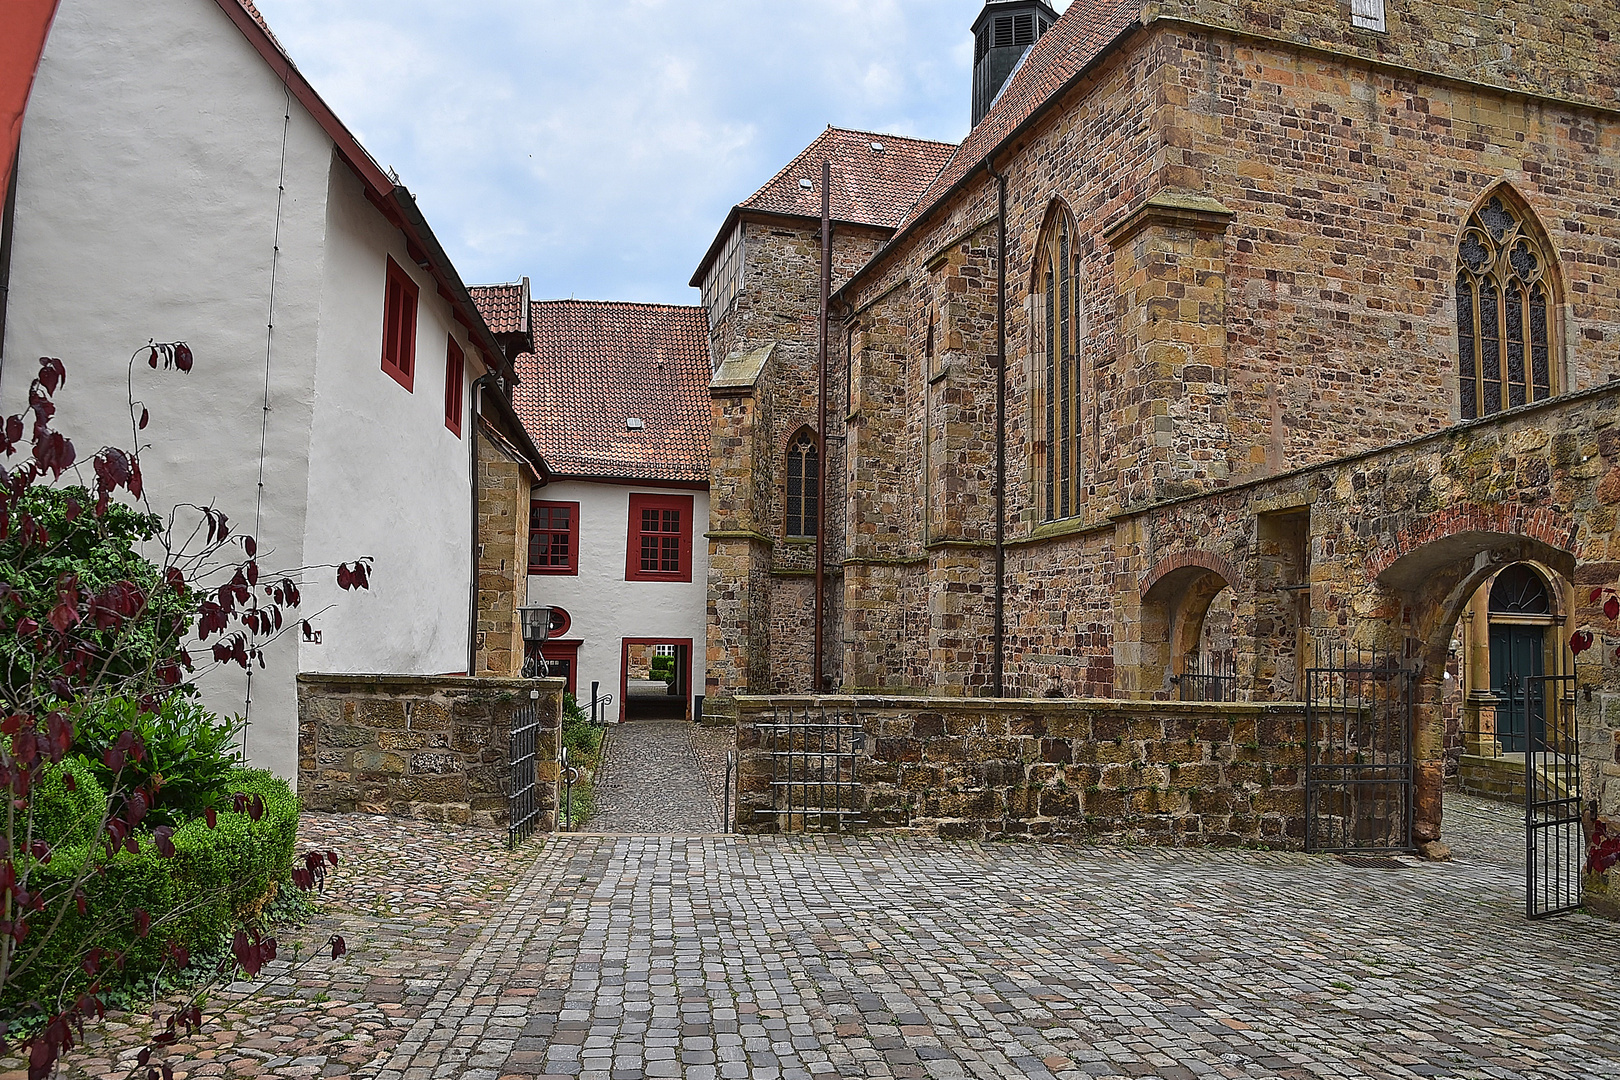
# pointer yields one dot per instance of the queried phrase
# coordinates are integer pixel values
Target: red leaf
(250, 545)
(143, 923)
(52, 373)
(1611, 608)
(210, 816)
(162, 838)
(182, 356)
(1580, 641)
(151, 360)
(1595, 594)
(145, 417)
(339, 946)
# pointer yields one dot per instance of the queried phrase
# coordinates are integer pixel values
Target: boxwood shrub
(217, 879)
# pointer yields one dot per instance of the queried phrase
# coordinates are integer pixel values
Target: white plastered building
(179, 180)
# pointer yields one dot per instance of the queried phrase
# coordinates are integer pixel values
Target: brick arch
(1205, 560)
(1466, 525)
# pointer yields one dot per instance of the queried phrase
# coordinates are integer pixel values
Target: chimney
(1002, 34)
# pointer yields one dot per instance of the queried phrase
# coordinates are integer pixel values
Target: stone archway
(1176, 607)
(1420, 595)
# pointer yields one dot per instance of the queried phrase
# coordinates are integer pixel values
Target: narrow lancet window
(1057, 342)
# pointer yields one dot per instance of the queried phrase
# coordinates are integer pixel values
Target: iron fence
(1358, 752)
(815, 769)
(1207, 677)
(1555, 842)
(523, 803)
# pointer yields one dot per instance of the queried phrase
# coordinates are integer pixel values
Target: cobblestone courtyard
(626, 956)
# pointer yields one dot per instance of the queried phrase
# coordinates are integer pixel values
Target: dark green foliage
(64, 818)
(583, 739)
(190, 753)
(217, 879)
(99, 552)
(663, 667)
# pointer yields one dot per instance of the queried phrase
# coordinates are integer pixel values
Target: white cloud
(597, 147)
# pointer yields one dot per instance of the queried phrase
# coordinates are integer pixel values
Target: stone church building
(1230, 333)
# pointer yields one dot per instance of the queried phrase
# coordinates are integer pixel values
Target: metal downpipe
(998, 663)
(819, 685)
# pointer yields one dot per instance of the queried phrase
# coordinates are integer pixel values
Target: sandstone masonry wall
(1152, 772)
(424, 747)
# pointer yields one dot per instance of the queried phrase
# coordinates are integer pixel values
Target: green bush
(216, 879)
(583, 738)
(193, 752)
(63, 818)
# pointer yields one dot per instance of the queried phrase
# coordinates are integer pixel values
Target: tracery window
(1506, 327)
(1057, 347)
(803, 485)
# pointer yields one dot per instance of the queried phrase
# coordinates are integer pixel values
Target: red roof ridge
(891, 135)
(620, 303)
(1083, 34)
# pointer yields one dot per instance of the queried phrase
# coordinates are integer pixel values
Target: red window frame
(399, 326)
(455, 368)
(569, 535)
(661, 543)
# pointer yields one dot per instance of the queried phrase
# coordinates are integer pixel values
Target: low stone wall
(433, 748)
(1156, 772)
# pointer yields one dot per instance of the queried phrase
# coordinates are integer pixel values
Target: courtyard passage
(614, 957)
(661, 777)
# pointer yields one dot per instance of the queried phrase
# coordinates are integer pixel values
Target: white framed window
(1367, 14)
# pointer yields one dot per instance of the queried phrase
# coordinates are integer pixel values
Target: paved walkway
(660, 777)
(786, 957)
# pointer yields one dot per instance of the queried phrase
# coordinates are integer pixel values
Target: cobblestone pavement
(800, 957)
(409, 898)
(654, 779)
(790, 958)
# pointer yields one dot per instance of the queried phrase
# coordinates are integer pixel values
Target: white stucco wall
(147, 209)
(386, 477)
(606, 608)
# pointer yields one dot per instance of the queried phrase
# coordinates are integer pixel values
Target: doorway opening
(655, 679)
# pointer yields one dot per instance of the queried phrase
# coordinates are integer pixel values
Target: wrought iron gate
(522, 803)
(1358, 752)
(815, 769)
(1555, 845)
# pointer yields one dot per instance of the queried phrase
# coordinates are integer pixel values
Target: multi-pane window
(1506, 330)
(803, 486)
(455, 365)
(399, 326)
(553, 537)
(1057, 346)
(1367, 14)
(659, 547)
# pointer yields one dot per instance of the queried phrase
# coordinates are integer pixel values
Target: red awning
(23, 24)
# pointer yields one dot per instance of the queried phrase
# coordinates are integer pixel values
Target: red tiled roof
(500, 305)
(869, 187)
(598, 364)
(1078, 37)
(247, 5)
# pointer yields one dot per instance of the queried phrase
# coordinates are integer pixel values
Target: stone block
(379, 762)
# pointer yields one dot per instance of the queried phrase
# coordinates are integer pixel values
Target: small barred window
(1506, 325)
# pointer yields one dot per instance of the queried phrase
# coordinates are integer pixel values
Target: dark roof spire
(1002, 34)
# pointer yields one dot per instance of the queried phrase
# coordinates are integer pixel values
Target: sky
(597, 145)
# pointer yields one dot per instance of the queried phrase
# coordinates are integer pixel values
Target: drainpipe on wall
(472, 449)
(821, 426)
(8, 225)
(998, 665)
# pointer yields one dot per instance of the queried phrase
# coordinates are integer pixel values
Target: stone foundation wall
(434, 748)
(1157, 772)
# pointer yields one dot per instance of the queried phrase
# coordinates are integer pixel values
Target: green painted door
(1517, 659)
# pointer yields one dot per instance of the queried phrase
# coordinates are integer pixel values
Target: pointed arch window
(1057, 347)
(803, 485)
(1506, 325)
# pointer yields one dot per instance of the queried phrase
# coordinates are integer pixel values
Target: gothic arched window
(1506, 319)
(1057, 347)
(803, 485)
